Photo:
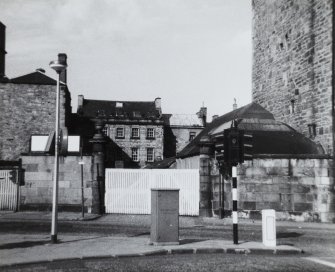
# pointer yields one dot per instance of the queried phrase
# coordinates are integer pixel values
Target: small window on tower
(292, 106)
(192, 135)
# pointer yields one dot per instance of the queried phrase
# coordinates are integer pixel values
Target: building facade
(181, 129)
(293, 69)
(135, 129)
(28, 106)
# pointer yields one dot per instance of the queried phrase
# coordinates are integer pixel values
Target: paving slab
(25, 248)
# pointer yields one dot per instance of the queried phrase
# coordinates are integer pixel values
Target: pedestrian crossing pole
(234, 194)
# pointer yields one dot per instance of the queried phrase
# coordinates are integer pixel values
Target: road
(318, 244)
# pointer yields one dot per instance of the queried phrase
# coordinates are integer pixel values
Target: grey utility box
(164, 217)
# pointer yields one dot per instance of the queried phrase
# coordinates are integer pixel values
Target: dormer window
(136, 114)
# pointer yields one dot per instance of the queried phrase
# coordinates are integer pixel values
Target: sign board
(73, 144)
(39, 143)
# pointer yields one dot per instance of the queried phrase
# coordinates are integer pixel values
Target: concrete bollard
(269, 228)
(164, 217)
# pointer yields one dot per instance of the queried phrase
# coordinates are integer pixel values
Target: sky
(188, 52)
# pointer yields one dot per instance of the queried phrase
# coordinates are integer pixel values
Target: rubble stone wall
(292, 64)
(27, 109)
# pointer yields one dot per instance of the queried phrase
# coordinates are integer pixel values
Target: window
(120, 132)
(134, 154)
(150, 154)
(105, 131)
(150, 133)
(192, 135)
(135, 133)
(292, 108)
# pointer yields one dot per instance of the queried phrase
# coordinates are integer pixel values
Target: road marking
(316, 260)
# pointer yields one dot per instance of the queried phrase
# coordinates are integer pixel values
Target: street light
(58, 66)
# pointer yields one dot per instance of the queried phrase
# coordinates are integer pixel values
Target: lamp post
(58, 66)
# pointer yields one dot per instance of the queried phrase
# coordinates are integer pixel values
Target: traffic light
(232, 146)
(247, 147)
(13, 176)
(219, 146)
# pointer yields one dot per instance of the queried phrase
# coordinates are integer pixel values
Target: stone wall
(298, 189)
(292, 64)
(27, 109)
(36, 194)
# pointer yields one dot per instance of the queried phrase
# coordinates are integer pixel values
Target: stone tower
(293, 66)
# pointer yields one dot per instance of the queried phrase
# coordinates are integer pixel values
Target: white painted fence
(128, 191)
(8, 191)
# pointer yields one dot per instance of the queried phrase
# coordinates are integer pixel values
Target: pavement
(23, 248)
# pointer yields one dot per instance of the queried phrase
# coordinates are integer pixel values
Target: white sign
(73, 144)
(38, 143)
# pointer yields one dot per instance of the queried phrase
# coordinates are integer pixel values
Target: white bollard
(269, 228)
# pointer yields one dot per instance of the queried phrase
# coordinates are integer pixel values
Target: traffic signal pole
(234, 196)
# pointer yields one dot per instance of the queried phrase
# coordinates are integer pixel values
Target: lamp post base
(54, 239)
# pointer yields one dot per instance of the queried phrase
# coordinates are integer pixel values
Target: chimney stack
(202, 115)
(2, 50)
(80, 104)
(158, 105)
(62, 57)
(235, 104)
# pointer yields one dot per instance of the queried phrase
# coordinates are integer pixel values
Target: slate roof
(182, 120)
(129, 109)
(163, 164)
(269, 136)
(37, 78)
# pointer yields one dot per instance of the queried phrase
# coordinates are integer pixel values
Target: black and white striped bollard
(234, 193)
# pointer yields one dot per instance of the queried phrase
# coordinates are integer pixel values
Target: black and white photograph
(167, 135)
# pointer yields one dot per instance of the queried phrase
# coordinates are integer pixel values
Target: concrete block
(31, 176)
(299, 198)
(31, 167)
(255, 172)
(64, 184)
(277, 171)
(323, 163)
(301, 189)
(302, 172)
(271, 197)
(248, 205)
(303, 207)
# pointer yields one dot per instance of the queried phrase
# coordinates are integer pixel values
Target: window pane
(135, 132)
(119, 132)
(150, 133)
(150, 154)
(134, 154)
(192, 135)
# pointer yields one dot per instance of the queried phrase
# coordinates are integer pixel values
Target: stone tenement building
(27, 106)
(134, 128)
(293, 64)
(181, 129)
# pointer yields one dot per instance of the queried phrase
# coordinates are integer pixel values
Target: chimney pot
(62, 58)
(80, 104)
(158, 105)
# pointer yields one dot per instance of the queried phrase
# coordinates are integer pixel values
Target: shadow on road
(288, 234)
(23, 244)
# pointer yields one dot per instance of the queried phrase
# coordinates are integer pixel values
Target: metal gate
(8, 191)
(128, 191)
